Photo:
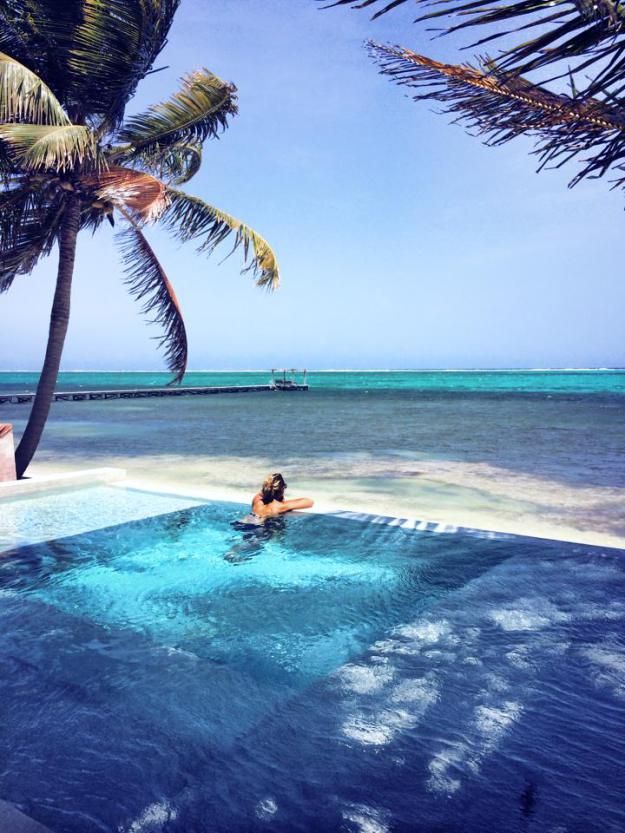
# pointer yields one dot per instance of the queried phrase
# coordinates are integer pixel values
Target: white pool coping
(60, 482)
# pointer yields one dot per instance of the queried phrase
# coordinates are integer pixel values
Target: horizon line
(341, 370)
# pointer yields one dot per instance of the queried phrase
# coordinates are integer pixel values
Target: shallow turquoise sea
(512, 381)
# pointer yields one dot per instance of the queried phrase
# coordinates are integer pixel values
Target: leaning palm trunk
(59, 320)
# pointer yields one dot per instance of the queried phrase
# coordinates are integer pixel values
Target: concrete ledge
(7, 453)
(60, 482)
(13, 820)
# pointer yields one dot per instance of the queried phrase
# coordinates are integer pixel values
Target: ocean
(537, 381)
(540, 452)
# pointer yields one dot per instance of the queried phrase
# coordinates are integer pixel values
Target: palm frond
(8, 166)
(38, 34)
(177, 163)
(25, 98)
(113, 47)
(587, 35)
(148, 283)
(12, 38)
(501, 106)
(145, 195)
(198, 110)
(91, 53)
(180, 163)
(61, 149)
(91, 218)
(190, 218)
(30, 220)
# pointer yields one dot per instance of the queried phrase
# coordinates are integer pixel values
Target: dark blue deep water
(178, 675)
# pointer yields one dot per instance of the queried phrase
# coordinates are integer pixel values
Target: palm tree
(563, 86)
(69, 160)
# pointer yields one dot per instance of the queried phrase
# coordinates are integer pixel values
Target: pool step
(13, 820)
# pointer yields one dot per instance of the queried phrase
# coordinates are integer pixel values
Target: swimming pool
(174, 674)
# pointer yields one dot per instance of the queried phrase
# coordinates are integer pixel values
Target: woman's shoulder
(259, 507)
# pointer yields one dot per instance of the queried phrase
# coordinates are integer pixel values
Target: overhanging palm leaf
(502, 106)
(591, 35)
(581, 41)
(190, 218)
(148, 283)
(197, 111)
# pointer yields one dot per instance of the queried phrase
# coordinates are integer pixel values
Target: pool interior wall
(173, 673)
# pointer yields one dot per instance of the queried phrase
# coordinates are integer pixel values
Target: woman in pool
(270, 502)
(265, 521)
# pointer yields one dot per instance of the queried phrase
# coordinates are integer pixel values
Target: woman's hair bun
(273, 488)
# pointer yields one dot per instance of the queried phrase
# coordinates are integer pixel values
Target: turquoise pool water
(61, 514)
(176, 674)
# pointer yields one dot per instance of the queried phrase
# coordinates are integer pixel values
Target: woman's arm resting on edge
(297, 503)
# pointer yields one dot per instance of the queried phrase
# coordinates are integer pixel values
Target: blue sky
(403, 242)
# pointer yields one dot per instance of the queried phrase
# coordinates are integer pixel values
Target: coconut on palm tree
(70, 160)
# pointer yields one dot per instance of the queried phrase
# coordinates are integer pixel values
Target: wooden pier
(149, 393)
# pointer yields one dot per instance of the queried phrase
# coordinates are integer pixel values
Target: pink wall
(7, 458)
